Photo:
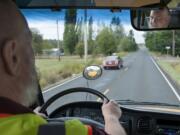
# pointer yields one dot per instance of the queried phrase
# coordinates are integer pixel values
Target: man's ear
(11, 57)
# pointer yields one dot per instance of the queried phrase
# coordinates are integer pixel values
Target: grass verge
(172, 68)
(170, 65)
(123, 54)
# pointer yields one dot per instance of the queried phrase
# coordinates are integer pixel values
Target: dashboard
(134, 121)
(94, 114)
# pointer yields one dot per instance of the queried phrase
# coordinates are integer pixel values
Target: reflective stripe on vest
(75, 127)
(28, 124)
(90, 130)
(24, 124)
(4, 115)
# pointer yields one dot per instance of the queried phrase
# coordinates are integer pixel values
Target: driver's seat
(52, 129)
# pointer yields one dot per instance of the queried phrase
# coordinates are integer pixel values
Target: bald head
(18, 79)
(12, 22)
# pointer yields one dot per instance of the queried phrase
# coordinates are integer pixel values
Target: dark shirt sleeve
(97, 131)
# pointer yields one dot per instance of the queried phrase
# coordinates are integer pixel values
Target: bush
(80, 49)
(122, 54)
(106, 41)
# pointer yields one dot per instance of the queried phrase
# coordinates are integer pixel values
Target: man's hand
(112, 112)
(36, 111)
(111, 109)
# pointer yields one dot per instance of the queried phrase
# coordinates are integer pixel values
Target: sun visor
(23, 3)
(86, 3)
(126, 3)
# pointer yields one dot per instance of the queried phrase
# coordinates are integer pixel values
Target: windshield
(68, 40)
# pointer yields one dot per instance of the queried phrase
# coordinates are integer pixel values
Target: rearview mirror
(92, 72)
(156, 19)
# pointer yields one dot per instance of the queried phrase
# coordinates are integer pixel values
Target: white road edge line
(170, 85)
(61, 84)
(106, 91)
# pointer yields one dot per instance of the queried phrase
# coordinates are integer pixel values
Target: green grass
(172, 68)
(169, 65)
(51, 70)
(157, 54)
(122, 54)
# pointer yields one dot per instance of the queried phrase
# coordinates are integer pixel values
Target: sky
(45, 21)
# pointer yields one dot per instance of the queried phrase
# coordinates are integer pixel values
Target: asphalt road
(139, 80)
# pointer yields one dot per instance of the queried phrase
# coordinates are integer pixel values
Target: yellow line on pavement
(125, 69)
(106, 91)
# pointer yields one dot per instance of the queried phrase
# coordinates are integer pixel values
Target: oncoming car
(112, 62)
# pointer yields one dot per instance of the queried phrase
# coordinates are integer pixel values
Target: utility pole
(155, 41)
(58, 44)
(85, 36)
(173, 43)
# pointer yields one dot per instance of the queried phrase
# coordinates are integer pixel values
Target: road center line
(170, 85)
(105, 92)
(126, 69)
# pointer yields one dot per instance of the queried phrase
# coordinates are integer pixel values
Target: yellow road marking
(106, 91)
(125, 69)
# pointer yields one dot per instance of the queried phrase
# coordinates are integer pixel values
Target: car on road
(112, 62)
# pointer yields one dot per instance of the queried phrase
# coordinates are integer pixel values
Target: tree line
(109, 39)
(39, 44)
(159, 40)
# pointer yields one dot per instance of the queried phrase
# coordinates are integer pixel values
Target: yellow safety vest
(28, 124)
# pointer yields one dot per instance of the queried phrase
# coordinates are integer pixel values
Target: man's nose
(153, 20)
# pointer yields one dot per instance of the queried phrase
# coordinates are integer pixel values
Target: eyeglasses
(154, 18)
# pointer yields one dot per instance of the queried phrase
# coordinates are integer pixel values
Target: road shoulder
(168, 76)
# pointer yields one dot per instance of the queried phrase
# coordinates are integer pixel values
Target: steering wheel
(75, 90)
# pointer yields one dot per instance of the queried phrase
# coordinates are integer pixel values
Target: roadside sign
(168, 47)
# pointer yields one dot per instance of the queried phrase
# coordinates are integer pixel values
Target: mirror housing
(92, 72)
(155, 19)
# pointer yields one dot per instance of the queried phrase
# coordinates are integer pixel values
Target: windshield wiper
(133, 102)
